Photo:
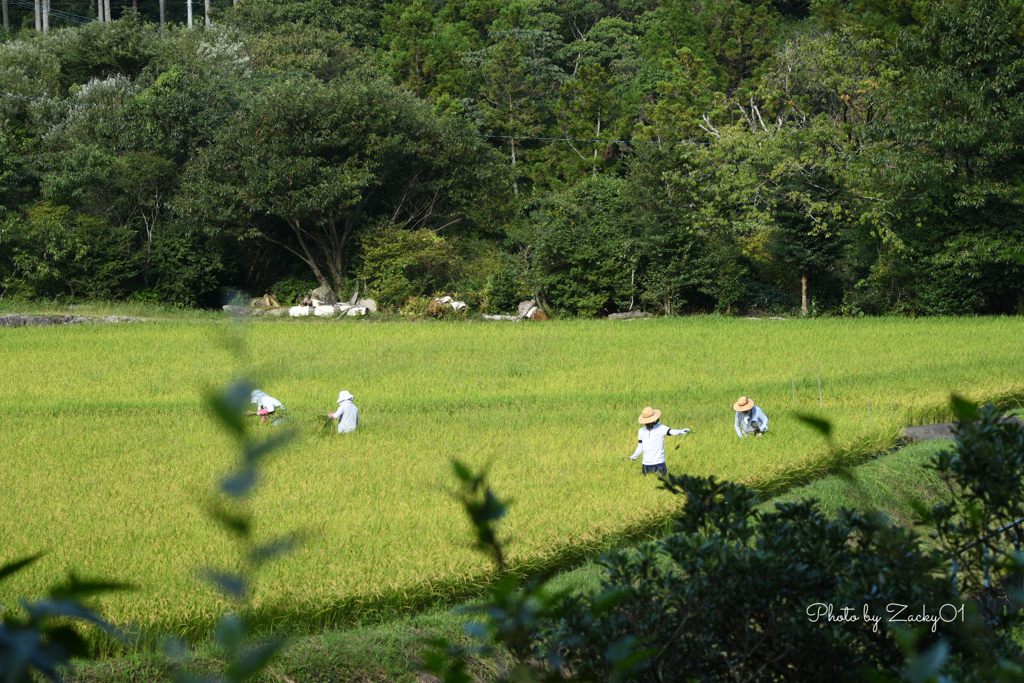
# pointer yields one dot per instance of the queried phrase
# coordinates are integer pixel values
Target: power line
(517, 137)
(60, 14)
(583, 139)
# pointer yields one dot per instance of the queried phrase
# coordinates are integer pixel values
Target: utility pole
(207, 10)
(189, 3)
(163, 7)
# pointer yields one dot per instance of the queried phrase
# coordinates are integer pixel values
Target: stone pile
(17, 320)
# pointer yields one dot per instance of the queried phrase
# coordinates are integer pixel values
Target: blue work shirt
(747, 422)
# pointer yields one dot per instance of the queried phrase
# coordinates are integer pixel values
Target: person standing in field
(651, 442)
(347, 414)
(749, 418)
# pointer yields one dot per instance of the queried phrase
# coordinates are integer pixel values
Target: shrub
(291, 290)
(398, 264)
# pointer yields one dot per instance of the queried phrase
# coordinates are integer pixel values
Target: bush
(398, 264)
(292, 290)
(505, 289)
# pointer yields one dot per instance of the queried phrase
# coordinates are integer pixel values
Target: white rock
(325, 311)
(277, 311)
(369, 304)
(298, 311)
(342, 308)
(356, 310)
(458, 305)
(529, 313)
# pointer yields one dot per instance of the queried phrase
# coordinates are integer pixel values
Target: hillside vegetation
(844, 156)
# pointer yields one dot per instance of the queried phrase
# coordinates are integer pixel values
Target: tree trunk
(7, 20)
(163, 11)
(803, 293)
(206, 8)
(39, 17)
(46, 16)
(188, 3)
(306, 254)
(515, 185)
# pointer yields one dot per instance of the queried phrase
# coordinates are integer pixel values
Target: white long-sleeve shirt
(751, 420)
(347, 416)
(264, 402)
(651, 442)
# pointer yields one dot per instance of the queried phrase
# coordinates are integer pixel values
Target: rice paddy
(107, 448)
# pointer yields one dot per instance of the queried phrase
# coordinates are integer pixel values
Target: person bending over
(265, 405)
(749, 418)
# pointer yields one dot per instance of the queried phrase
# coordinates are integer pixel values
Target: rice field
(108, 449)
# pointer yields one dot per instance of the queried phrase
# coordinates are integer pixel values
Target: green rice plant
(320, 425)
(105, 441)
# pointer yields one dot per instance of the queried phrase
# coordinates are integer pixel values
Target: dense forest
(743, 156)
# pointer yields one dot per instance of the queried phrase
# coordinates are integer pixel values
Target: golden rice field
(107, 448)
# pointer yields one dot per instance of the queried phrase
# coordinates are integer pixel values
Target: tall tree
(308, 167)
(949, 156)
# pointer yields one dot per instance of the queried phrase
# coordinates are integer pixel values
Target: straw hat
(743, 405)
(649, 415)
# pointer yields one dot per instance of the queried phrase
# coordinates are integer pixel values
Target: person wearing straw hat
(749, 418)
(347, 414)
(651, 441)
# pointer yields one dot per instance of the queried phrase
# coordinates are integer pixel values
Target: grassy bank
(109, 448)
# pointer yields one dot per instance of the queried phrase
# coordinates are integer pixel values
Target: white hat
(345, 396)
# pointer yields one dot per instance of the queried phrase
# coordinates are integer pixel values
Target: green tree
(518, 78)
(308, 167)
(578, 245)
(946, 160)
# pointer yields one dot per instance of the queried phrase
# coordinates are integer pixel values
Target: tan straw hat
(743, 405)
(649, 415)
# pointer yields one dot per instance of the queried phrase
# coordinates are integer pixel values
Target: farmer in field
(749, 418)
(651, 441)
(347, 414)
(265, 405)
